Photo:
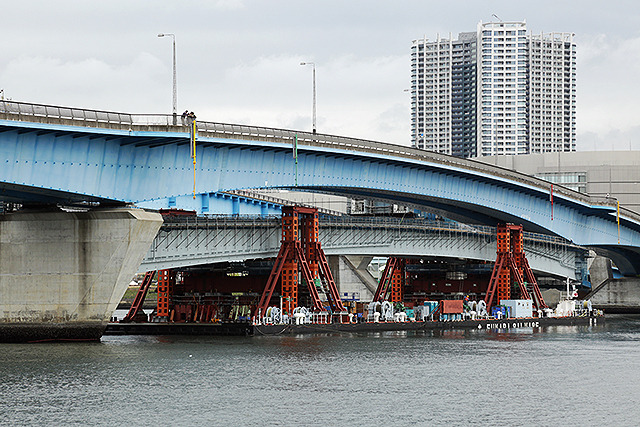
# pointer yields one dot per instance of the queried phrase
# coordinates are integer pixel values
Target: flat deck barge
(247, 328)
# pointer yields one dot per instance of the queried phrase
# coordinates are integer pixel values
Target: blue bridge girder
(55, 155)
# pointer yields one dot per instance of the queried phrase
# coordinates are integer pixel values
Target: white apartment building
(496, 91)
(552, 88)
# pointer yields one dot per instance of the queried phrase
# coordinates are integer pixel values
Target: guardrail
(12, 110)
(82, 117)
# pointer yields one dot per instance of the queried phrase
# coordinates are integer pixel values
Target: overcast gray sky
(238, 60)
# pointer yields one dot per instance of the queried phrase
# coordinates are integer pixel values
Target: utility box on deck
(519, 307)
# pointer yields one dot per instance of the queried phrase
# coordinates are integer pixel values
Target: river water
(572, 376)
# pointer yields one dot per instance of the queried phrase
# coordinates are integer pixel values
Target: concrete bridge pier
(613, 295)
(351, 275)
(62, 274)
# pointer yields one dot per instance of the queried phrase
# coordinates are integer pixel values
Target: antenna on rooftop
(497, 17)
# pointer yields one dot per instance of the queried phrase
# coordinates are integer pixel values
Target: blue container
(499, 309)
(431, 306)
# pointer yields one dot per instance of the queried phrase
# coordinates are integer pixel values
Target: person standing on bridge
(191, 118)
(184, 117)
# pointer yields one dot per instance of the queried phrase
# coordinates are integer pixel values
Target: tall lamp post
(314, 92)
(175, 87)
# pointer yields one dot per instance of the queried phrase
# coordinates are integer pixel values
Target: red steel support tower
(135, 312)
(289, 275)
(309, 239)
(511, 266)
(301, 253)
(396, 283)
(391, 281)
(166, 282)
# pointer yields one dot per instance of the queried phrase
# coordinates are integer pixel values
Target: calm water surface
(572, 376)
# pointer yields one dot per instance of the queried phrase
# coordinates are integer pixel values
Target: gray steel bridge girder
(206, 244)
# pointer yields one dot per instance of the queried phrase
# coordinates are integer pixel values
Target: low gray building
(614, 174)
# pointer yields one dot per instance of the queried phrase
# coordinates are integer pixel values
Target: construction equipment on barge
(191, 302)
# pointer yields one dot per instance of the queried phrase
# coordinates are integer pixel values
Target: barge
(249, 329)
(193, 302)
(417, 326)
(569, 313)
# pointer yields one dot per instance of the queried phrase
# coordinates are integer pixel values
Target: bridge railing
(438, 225)
(13, 110)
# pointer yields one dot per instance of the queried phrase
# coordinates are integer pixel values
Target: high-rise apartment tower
(496, 91)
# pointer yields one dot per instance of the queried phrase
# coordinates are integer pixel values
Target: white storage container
(519, 307)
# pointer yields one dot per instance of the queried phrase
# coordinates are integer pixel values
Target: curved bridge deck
(66, 155)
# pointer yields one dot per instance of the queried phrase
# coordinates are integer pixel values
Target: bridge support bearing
(62, 274)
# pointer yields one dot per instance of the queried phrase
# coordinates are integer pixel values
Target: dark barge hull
(244, 329)
(487, 324)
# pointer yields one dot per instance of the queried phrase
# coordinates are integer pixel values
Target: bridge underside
(28, 195)
(626, 258)
(457, 210)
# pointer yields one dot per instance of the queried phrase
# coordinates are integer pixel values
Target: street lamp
(175, 87)
(314, 92)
